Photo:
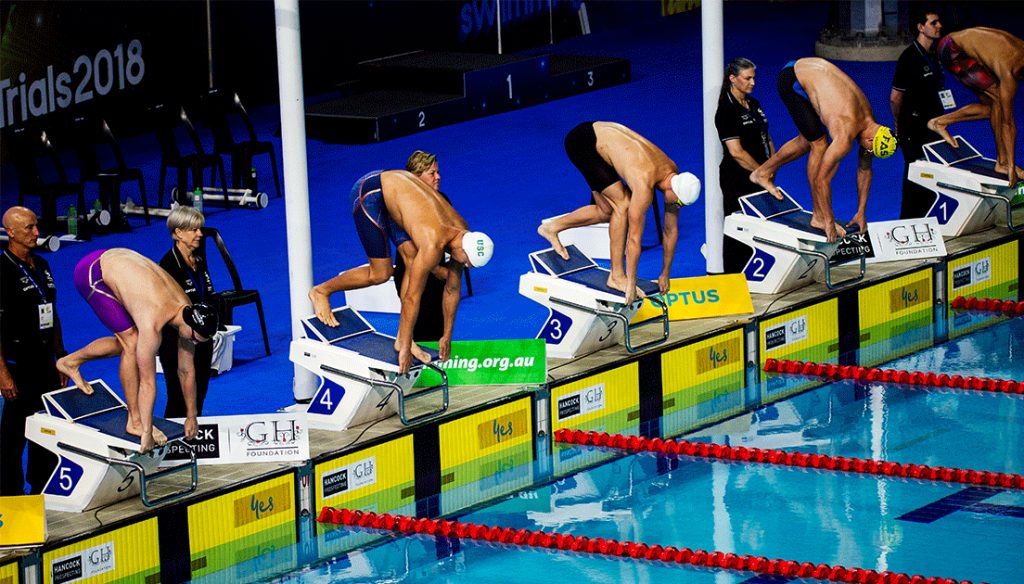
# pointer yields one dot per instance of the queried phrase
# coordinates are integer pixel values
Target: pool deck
(68, 530)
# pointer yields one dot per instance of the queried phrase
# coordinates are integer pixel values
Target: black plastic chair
(49, 183)
(171, 155)
(220, 108)
(89, 138)
(237, 296)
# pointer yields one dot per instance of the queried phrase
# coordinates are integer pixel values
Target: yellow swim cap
(883, 145)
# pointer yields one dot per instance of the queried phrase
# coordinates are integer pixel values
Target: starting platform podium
(358, 371)
(788, 252)
(969, 192)
(584, 314)
(99, 462)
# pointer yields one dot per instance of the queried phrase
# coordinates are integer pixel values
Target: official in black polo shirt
(743, 129)
(30, 342)
(918, 95)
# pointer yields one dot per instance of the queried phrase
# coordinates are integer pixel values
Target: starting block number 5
(64, 478)
(327, 398)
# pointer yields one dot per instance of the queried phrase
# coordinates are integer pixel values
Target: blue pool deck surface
(914, 527)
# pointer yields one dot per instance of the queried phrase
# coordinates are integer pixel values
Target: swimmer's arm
(416, 275)
(864, 176)
(449, 306)
(741, 156)
(636, 215)
(896, 105)
(821, 184)
(187, 379)
(670, 237)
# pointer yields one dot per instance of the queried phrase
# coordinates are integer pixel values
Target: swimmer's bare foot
(1003, 168)
(551, 235)
(147, 439)
(940, 129)
(74, 374)
(623, 285)
(766, 183)
(322, 306)
(832, 234)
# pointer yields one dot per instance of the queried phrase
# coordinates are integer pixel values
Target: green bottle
(73, 221)
(197, 199)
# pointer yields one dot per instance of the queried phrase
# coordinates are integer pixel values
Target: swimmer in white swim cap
(611, 156)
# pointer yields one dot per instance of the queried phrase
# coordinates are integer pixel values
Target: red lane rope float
(622, 549)
(919, 378)
(787, 458)
(1007, 307)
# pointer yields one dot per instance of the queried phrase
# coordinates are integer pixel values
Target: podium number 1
(509, 80)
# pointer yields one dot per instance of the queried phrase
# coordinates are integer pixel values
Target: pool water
(870, 522)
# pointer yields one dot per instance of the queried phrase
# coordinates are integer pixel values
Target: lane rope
(1007, 307)
(899, 376)
(622, 549)
(794, 459)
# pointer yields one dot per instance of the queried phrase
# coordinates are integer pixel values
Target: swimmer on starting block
(989, 62)
(611, 156)
(395, 205)
(823, 102)
(135, 298)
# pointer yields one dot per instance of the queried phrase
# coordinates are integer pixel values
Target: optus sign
(702, 297)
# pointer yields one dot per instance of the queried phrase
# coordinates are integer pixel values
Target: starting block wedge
(99, 462)
(968, 190)
(358, 370)
(788, 252)
(584, 314)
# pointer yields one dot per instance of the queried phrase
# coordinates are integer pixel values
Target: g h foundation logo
(789, 332)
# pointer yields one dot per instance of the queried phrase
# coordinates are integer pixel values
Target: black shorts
(799, 107)
(581, 146)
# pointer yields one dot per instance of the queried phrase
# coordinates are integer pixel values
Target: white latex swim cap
(686, 186)
(479, 248)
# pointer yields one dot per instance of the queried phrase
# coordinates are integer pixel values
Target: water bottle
(97, 206)
(73, 221)
(252, 180)
(197, 199)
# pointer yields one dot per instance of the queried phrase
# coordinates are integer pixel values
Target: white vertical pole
(498, 3)
(296, 181)
(209, 43)
(713, 63)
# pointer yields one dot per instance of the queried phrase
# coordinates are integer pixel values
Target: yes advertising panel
(255, 525)
(990, 273)
(702, 382)
(896, 317)
(605, 402)
(131, 553)
(806, 334)
(9, 572)
(487, 454)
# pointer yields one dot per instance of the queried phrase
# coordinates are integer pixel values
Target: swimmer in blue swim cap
(611, 156)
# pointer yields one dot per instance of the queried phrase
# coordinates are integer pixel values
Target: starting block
(584, 314)
(358, 370)
(99, 462)
(968, 190)
(788, 252)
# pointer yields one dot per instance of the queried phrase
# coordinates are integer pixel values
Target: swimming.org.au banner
(251, 438)
(702, 297)
(507, 362)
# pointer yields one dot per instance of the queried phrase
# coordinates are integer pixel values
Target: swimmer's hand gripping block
(99, 461)
(358, 371)
(584, 314)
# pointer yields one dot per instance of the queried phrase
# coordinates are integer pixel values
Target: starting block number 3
(555, 328)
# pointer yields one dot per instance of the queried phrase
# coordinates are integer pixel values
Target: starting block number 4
(64, 478)
(327, 399)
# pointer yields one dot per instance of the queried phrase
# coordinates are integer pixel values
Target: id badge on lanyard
(46, 316)
(946, 96)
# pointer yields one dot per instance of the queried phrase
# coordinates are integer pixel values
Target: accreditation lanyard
(193, 276)
(945, 95)
(45, 307)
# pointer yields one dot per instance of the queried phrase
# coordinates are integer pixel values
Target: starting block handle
(626, 326)
(143, 477)
(395, 388)
(825, 260)
(997, 196)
